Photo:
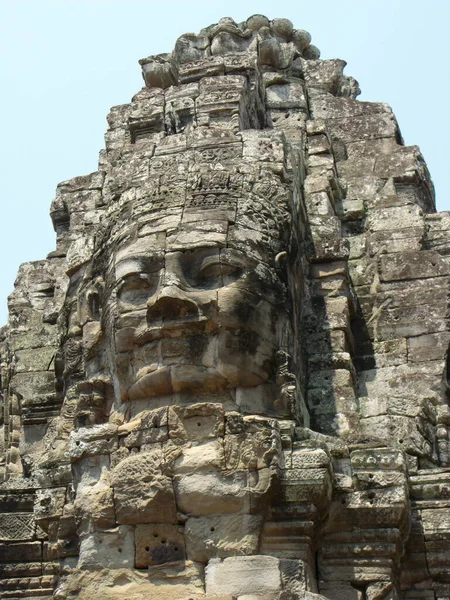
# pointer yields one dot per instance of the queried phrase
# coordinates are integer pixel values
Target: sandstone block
(113, 549)
(142, 493)
(212, 493)
(222, 536)
(21, 552)
(243, 575)
(158, 544)
(412, 265)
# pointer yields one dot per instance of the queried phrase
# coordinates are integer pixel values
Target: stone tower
(230, 379)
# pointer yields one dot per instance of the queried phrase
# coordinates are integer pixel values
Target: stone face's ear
(94, 306)
(90, 302)
(281, 266)
(92, 335)
(281, 256)
(94, 400)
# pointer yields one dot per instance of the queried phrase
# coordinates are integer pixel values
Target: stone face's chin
(156, 383)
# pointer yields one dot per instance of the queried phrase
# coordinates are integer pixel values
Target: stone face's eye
(230, 272)
(135, 289)
(210, 272)
(216, 274)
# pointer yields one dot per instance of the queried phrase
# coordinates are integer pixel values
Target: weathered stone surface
(222, 536)
(240, 576)
(230, 379)
(142, 492)
(16, 526)
(158, 544)
(111, 549)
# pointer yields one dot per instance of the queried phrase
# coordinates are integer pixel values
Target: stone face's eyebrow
(127, 266)
(143, 247)
(138, 264)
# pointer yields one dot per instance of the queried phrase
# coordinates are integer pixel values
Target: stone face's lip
(156, 383)
(172, 328)
(159, 380)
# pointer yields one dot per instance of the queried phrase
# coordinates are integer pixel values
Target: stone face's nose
(171, 303)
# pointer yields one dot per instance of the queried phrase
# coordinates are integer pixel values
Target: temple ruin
(230, 379)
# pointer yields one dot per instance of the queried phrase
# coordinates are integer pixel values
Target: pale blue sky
(64, 63)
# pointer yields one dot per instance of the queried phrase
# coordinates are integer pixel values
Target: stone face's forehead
(190, 237)
(141, 247)
(237, 203)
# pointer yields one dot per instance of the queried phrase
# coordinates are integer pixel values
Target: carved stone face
(201, 322)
